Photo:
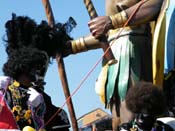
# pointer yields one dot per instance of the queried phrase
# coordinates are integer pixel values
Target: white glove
(4, 81)
(35, 97)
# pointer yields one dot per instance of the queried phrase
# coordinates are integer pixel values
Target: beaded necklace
(18, 111)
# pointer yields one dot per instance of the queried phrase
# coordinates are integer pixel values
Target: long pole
(103, 40)
(61, 69)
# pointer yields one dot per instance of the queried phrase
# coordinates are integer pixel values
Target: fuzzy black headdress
(26, 60)
(30, 45)
(22, 31)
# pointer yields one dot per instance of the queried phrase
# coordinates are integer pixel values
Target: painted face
(145, 121)
(24, 80)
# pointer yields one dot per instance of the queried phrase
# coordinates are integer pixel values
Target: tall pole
(103, 40)
(61, 69)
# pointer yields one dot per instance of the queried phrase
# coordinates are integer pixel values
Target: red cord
(95, 65)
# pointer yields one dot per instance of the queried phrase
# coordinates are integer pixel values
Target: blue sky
(77, 66)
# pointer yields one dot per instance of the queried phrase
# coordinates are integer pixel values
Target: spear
(105, 45)
(61, 69)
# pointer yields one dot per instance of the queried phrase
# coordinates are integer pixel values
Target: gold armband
(119, 19)
(78, 45)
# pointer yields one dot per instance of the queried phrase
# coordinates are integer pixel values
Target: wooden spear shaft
(61, 69)
(105, 45)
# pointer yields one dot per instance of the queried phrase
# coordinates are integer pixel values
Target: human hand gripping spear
(61, 69)
(108, 55)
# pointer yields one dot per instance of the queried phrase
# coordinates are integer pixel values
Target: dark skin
(147, 12)
(99, 26)
(24, 80)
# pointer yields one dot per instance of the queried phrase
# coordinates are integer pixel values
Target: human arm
(99, 26)
(81, 44)
(147, 12)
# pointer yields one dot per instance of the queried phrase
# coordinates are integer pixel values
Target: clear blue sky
(77, 66)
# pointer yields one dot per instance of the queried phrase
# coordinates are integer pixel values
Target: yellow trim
(119, 19)
(78, 45)
(158, 46)
(74, 47)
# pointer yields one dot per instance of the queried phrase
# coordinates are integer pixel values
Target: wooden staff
(61, 69)
(105, 45)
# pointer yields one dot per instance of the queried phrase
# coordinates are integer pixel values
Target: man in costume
(131, 47)
(29, 103)
(29, 47)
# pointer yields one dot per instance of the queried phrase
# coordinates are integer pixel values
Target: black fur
(23, 31)
(25, 60)
(24, 38)
(146, 98)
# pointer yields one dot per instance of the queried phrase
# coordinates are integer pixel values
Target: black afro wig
(26, 60)
(146, 98)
